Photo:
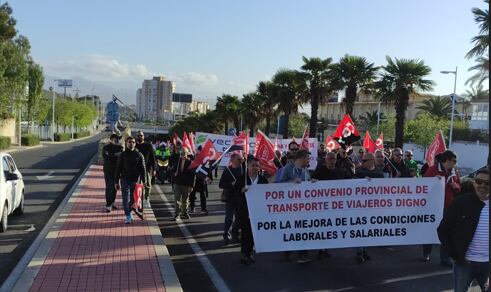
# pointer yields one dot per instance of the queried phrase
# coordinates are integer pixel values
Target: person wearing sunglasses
(397, 165)
(345, 164)
(464, 232)
(445, 169)
(411, 163)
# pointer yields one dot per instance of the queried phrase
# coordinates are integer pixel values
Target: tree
(196, 122)
(353, 73)
(228, 108)
(319, 83)
(477, 93)
(437, 106)
(36, 82)
(296, 124)
(481, 41)
(250, 108)
(400, 79)
(387, 127)
(266, 96)
(288, 89)
(482, 74)
(7, 23)
(370, 119)
(422, 129)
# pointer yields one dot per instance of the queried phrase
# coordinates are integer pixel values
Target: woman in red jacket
(444, 168)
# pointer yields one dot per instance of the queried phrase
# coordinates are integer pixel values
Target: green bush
(82, 134)
(469, 135)
(4, 143)
(60, 137)
(29, 140)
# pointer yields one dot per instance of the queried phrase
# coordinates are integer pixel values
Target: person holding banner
(345, 164)
(464, 233)
(130, 169)
(297, 172)
(445, 169)
(247, 242)
(232, 184)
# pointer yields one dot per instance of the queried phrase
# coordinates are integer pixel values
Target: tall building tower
(155, 98)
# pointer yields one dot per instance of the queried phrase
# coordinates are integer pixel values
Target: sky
(219, 46)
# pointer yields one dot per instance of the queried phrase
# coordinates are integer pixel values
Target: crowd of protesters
(463, 231)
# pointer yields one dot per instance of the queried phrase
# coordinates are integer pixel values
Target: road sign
(65, 83)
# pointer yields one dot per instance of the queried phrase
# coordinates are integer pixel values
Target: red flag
(242, 140)
(368, 143)
(176, 139)
(264, 151)
(379, 143)
(305, 139)
(208, 153)
(185, 143)
(346, 133)
(436, 147)
(331, 144)
(191, 141)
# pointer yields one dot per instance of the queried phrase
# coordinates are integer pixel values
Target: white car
(11, 190)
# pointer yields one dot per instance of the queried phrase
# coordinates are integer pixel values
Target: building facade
(154, 98)
(479, 115)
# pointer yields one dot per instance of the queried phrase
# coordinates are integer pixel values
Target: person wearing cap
(110, 154)
(146, 149)
(411, 163)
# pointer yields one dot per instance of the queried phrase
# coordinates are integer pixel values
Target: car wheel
(20, 209)
(3, 222)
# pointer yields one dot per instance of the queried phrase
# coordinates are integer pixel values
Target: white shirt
(478, 250)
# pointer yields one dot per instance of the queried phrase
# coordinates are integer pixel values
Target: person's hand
(453, 185)
(245, 189)
(314, 180)
(398, 174)
(117, 187)
(154, 173)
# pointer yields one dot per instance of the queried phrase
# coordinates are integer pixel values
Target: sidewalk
(96, 251)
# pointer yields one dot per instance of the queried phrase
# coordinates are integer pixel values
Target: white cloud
(195, 79)
(100, 66)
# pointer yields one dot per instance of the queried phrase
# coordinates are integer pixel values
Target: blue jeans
(464, 274)
(230, 210)
(127, 188)
(110, 188)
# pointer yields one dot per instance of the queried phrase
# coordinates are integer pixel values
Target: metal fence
(45, 132)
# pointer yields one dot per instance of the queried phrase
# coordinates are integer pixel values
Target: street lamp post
(453, 105)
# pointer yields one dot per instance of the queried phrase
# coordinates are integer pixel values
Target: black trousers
(247, 240)
(203, 194)
(110, 188)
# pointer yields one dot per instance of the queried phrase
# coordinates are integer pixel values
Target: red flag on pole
(191, 141)
(436, 147)
(242, 140)
(176, 139)
(379, 143)
(208, 153)
(368, 143)
(264, 151)
(305, 139)
(332, 144)
(346, 133)
(185, 143)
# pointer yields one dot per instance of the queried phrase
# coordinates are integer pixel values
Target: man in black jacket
(110, 153)
(398, 167)
(129, 170)
(146, 149)
(464, 233)
(183, 183)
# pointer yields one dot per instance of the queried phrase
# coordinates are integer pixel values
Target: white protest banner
(345, 213)
(222, 142)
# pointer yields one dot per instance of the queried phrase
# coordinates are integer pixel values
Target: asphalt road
(395, 268)
(48, 172)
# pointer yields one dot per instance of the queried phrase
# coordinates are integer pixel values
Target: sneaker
(185, 216)
(204, 211)
(114, 207)
(235, 239)
(146, 204)
(303, 260)
(246, 260)
(226, 241)
(425, 258)
(191, 209)
(128, 219)
(108, 209)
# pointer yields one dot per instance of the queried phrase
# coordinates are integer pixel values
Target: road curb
(24, 149)
(24, 273)
(167, 271)
(71, 141)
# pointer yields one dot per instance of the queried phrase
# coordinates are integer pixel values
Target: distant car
(11, 190)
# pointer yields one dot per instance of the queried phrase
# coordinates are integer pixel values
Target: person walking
(201, 187)
(297, 172)
(183, 184)
(464, 233)
(247, 242)
(230, 183)
(130, 169)
(147, 150)
(445, 169)
(110, 154)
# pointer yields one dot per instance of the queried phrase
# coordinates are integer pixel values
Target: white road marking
(214, 276)
(44, 177)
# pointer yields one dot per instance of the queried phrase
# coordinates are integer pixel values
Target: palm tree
(482, 74)
(266, 97)
(371, 119)
(400, 79)
(228, 108)
(477, 93)
(319, 84)
(481, 41)
(288, 89)
(353, 73)
(250, 108)
(437, 106)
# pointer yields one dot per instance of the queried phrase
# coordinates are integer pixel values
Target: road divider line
(24, 273)
(214, 276)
